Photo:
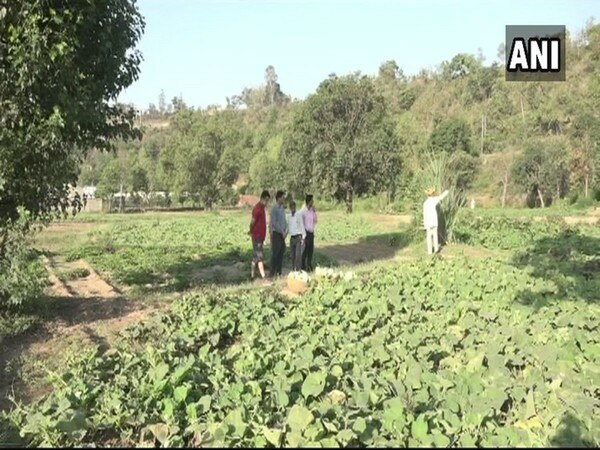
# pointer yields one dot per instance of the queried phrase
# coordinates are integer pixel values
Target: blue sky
(206, 50)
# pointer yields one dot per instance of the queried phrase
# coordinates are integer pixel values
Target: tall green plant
(436, 173)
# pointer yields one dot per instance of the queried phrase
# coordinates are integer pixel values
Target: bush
(504, 233)
(584, 202)
(22, 276)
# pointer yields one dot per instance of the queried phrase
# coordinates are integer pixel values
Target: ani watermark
(535, 53)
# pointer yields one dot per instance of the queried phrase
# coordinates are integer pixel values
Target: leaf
(361, 399)
(441, 441)
(160, 431)
(329, 442)
(299, 418)
(75, 423)
(273, 436)
(205, 402)
(337, 371)
(294, 439)
(475, 363)
(413, 376)
(181, 393)
(345, 436)
(530, 405)
(168, 410)
(393, 414)
(158, 373)
(236, 419)
(360, 425)
(419, 428)
(313, 384)
(191, 412)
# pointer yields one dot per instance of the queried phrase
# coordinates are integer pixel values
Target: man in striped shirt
(309, 216)
(279, 230)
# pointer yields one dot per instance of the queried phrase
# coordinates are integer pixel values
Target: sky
(207, 50)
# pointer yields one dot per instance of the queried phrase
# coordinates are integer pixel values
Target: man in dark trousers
(309, 216)
(258, 232)
(279, 230)
(297, 235)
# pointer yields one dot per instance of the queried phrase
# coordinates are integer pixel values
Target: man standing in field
(309, 216)
(258, 232)
(279, 230)
(297, 235)
(430, 219)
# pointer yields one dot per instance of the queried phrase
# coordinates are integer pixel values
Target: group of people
(299, 225)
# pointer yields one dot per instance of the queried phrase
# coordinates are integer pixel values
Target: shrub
(22, 276)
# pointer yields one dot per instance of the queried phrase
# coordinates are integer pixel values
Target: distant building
(89, 191)
(247, 200)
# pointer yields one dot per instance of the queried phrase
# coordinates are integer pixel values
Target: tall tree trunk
(121, 200)
(541, 197)
(3, 242)
(587, 182)
(349, 195)
(504, 189)
(481, 149)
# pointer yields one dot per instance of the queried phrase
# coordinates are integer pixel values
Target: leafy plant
(399, 358)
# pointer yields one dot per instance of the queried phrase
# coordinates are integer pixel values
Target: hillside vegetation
(510, 142)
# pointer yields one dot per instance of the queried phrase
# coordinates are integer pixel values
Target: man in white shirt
(430, 219)
(297, 235)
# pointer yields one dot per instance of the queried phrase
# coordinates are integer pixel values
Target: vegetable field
(167, 253)
(433, 352)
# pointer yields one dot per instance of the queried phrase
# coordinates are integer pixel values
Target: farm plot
(185, 251)
(440, 353)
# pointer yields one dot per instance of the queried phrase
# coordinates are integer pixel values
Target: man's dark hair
(308, 198)
(279, 195)
(265, 194)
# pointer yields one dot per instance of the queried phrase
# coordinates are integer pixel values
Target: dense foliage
(383, 125)
(61, 70)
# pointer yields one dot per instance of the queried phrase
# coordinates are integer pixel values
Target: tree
(462, 169)
(451, 136)
(541, 169)
(460, 66)
(61, 69)
(585, 155)
(162, 102)
(342, 141)
(111, 181)
(392, 84)
(152, 111)
(273, 93)
(504, 168)
(178, 104)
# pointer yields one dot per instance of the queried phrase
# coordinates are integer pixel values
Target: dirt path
(359, 252)
(86, 311)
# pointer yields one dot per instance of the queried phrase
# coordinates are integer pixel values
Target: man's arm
(443, 195)
(286, 227)
(302, 229)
